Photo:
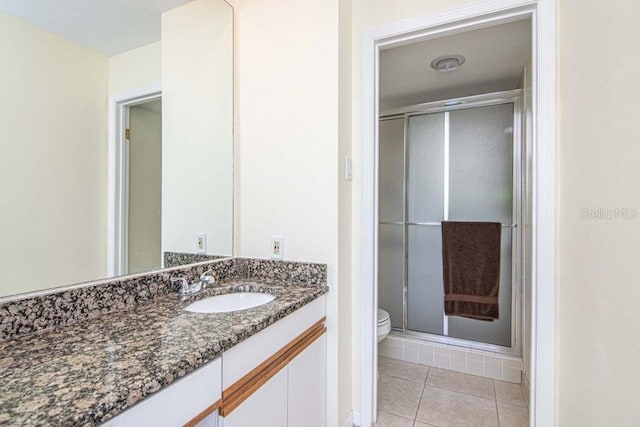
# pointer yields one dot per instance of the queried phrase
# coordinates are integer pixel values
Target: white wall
(53, 182)
(197, 128)
(287, 104)
(136, 69)
(598, 316)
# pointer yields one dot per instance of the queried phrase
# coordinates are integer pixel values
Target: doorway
(144, 187)
(542, 132)
(138, 185)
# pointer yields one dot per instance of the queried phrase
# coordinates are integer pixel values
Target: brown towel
(471, 269)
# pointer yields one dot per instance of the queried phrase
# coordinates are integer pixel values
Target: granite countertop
(88, 372)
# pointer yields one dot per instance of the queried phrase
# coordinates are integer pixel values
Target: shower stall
(454, 160)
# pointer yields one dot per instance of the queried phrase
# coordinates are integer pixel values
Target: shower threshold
(456, 342)
(453, 354)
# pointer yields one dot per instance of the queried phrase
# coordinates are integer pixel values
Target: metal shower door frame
(447, 106)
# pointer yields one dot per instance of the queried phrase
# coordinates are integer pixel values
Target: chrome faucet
(185, 287)
(207, 278)
(194, 288)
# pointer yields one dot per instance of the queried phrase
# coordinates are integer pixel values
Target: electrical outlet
(277, 247)
(201, 243)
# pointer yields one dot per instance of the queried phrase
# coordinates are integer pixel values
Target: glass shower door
(425, 202)
(391, 216)
(481, 188)
(459, 168)
(456, 165)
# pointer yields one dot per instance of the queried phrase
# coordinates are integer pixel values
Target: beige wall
(368, 14)
(288, 76)
(197, 127)
(598, 324)
(598, 316)
(130, 74)
(287, 104)
(345, 194)
(145, 188)
(136, 69)
(53, 132)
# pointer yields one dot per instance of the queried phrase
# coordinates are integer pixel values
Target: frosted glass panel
(425, 291)
(499, 331)
(481, 164)
(480, 175)
(425, 185)
(391, 170)
(390, 272)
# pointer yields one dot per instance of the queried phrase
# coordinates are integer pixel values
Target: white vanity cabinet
(294, 396)
(307, 386)
(192, 400)
(277, 377)
(266, 407)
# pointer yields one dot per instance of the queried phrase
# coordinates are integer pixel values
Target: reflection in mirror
(144, 185)
(116, 138)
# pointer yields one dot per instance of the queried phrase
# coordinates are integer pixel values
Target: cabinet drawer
(246, 356)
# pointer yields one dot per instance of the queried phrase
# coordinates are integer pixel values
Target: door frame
(118, 176)
(472, 16)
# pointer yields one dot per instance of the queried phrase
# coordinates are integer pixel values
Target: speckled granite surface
(87, 372)
(83, 354)
(299, 272)
(33, 314)
(174, 259)
(28, 314)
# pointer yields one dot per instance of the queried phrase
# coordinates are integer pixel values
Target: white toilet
(384, 324)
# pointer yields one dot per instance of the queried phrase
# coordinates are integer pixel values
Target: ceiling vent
(447, 63)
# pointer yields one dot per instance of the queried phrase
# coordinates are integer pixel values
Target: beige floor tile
(397, 396)
(446, 408)
(419, 424)
(461, 383)
(509, 393)
(388, 420)
(401, 369)
(513, 416)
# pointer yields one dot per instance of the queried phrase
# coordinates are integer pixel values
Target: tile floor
(412, 395)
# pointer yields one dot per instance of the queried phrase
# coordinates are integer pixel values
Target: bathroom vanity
(154, 363)
(274, 378)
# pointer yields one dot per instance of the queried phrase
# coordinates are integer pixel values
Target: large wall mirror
(116, 138)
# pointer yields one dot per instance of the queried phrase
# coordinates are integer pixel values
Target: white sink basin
(229, 302)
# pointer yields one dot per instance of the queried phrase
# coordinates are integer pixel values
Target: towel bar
(429, 223)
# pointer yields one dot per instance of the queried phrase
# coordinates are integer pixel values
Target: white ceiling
(108, 27)
(494, 60)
